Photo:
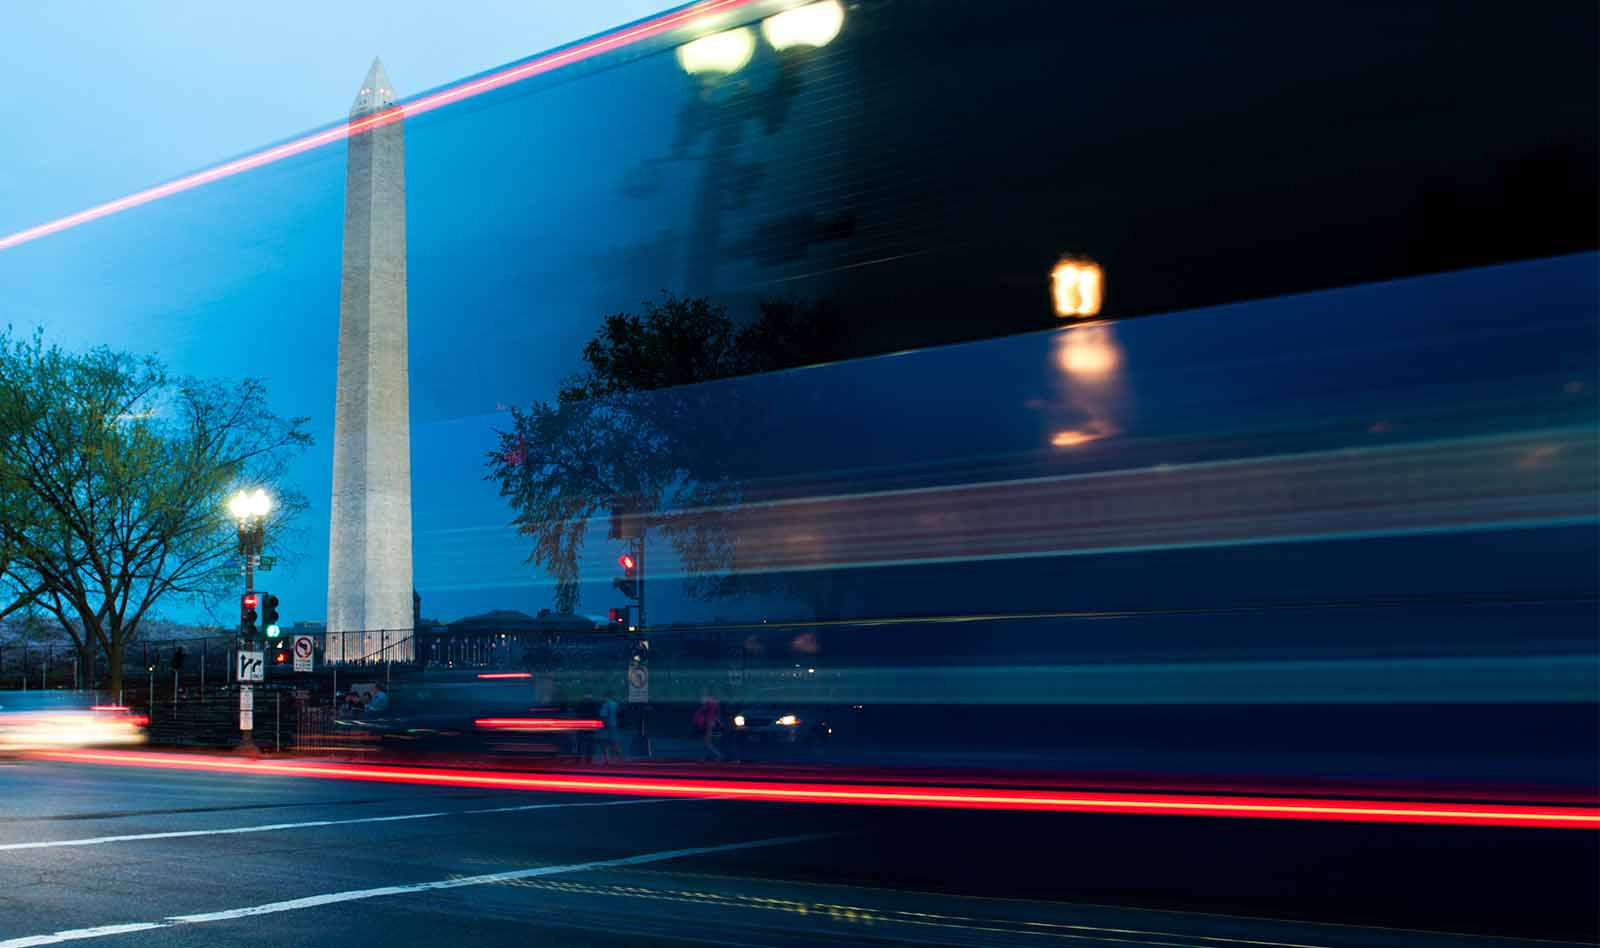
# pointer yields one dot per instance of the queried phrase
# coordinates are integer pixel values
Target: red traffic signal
(247, 615)
(629, 581)
(618, 616)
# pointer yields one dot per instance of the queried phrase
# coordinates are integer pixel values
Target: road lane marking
(868, 915)
(273, 827)
(78, 933)
(356, 895)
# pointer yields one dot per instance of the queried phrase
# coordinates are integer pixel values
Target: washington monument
(369, 547)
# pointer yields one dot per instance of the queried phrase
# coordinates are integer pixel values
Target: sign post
(638, 684)
(304, 648)
(247, 708)
(251, 666)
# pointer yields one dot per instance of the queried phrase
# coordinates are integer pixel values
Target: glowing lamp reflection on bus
(1077, 287)
(788, 720)
(717, 54)
(1088, 351)
(815, 24)
(1071, 438)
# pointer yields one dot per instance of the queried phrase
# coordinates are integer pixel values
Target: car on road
(779, 725)
(449, 713)
(44, 720)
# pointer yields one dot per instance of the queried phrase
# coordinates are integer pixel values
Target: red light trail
(491, 675)
(538, 724)
(606, 42)
(947, 797)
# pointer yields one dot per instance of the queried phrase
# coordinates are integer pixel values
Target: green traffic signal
(273, 631)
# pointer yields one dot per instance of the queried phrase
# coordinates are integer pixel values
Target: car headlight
(788, 720)
(738, 720)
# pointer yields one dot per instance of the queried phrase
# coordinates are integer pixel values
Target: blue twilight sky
(120, 97)
(107, 98)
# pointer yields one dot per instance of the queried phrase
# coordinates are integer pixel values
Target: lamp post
(1077, 287)
(250, 509)
(726, 104)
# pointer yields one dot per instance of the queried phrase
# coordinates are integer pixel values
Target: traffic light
(280, 651)
(177, 658)
(628, 582)
(618, 616)
(641, 652)
(269, 615)
(247, 614)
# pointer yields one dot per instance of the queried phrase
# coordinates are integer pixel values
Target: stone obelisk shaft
(369, 549)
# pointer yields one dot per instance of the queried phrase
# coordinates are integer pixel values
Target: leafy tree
(602, 446)
(124, 471)
(678, 341)
(18, 587)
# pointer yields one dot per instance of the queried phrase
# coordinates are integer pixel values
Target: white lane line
(100, 932)
(273, 827)
(552, 806)
(356, 895)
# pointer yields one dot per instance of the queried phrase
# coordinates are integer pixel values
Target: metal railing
(369, 646)
(147, 667)
(26, 666)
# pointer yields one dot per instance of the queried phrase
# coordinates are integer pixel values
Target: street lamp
(727, 51)
(247, 504)
(250, 509)
(718, 54)
(1077, 287)
(814, 25)
(726, 104)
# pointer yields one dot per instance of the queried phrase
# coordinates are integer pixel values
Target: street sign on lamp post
(250, 509)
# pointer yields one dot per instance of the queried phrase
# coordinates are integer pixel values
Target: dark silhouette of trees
(640, 431)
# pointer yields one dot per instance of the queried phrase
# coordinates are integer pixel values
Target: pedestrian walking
(609, 710)
(708, 723)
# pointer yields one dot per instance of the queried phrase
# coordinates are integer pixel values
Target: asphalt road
(132, 857)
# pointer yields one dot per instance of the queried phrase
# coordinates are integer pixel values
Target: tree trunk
(114, 676)
(86, 661)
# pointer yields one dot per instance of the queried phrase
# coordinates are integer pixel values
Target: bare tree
(18, 587)
(127, 471)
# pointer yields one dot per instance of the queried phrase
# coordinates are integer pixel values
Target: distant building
(317, 630)
(501, 638)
